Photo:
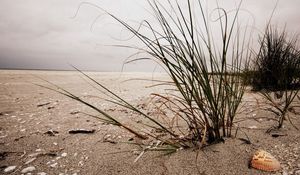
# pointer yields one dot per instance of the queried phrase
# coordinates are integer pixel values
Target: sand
(34, 125)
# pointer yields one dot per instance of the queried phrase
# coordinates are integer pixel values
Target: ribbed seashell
(263, 160)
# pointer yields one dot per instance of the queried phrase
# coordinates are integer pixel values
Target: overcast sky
(41, 34)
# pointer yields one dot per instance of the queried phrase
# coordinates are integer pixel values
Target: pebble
(252, 127)
(10, 169)
(55, 143)
(64, 155)
(1, 137)
(38, 150)
(53, 165)
(80, 163)
(107, 136)
(285, 173)
(28, 169)
(42, 173)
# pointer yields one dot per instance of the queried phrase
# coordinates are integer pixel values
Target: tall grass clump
(277, 64)
(276, 72)
(204, 54)
(205, 68)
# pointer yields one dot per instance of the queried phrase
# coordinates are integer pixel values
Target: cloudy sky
(42, 34)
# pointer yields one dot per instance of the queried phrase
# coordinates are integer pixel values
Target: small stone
(28, 169)
(38, 150)
(10, 169)
(51, 132)
(74, 112)
(80, 163)
(107, 136)
(54, 165)
(55, 143)
(1, 137)
(285, 173)
(252, 127)
(42, 173)
(64, 155)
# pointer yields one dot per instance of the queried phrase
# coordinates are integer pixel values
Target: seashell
(263, 160)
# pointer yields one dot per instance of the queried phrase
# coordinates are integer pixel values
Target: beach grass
(276, 72)
(205, 68)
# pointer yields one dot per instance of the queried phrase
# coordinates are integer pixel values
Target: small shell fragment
(264, 161)
(9, 169)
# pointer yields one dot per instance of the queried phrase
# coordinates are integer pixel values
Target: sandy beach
(35, 124)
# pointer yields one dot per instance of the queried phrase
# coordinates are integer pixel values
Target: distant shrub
(277, 64)
(276, 73)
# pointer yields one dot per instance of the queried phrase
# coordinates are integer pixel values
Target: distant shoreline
(53, 71)
(69, 70)
(62, 70)
(39, 69)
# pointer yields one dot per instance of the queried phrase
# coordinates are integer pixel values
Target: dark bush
(277, 64)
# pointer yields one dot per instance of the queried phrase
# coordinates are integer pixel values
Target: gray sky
(41, 33)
